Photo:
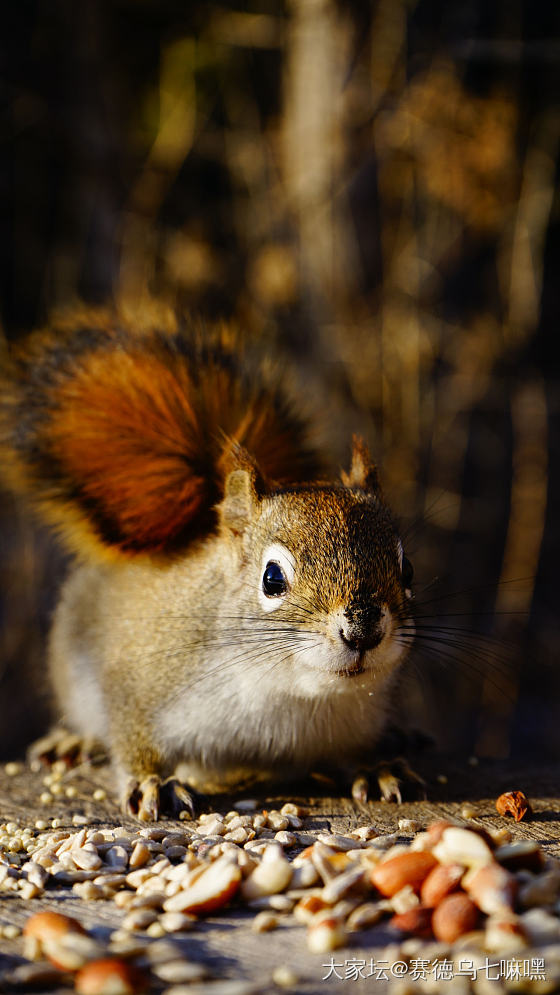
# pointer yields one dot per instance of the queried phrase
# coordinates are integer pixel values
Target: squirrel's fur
(123, 439)
(249, 618)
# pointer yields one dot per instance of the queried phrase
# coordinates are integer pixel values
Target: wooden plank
(226, 942)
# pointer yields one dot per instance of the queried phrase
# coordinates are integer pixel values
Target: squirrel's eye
(274, 580)
(407, 572)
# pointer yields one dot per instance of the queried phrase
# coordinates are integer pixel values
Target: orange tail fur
(119, 438)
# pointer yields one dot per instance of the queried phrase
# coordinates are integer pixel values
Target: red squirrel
(228, 611)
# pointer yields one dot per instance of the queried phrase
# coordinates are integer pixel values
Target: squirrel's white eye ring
(274, 581)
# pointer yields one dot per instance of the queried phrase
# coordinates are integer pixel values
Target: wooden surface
(226, 942)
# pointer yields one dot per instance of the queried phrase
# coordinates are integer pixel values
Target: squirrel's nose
(362, 628)
(360, 643)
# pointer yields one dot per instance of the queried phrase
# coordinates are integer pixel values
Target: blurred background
(370, 190)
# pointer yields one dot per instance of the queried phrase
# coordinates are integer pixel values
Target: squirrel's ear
(363, 471)
(242, 486)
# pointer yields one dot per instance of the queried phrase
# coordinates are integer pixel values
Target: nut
(284, 977)
(325, 935)
(540, 926)
(521, 855)
(501, 836)
(337, 842)
(87, 860)
(73, 950)
(308, 907)
(264, 922)
(176, 922)
(404, 900)
(327, 862)
(275, 903)
(36, 874)
(416, 921)
(139, 856)
(139, 919)
(408, 826)
(162, 951)
(542, 889)
(268, 878)
(441, 881)
(110, 976)
(455, 915)
(492, 888)
(505, 933)
(31, 977)
(44, 930)
(304, 876)
(214, 827)
(365, 833)
(462, 846)
(513, 803)
(366, 915)
(180, 972)
(212, 889)
(136, 878)
(117, 857)
(339, 886)
(406, 868)
(436, 830)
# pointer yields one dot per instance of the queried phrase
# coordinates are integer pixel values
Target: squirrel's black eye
(407, 572)
(274, 580)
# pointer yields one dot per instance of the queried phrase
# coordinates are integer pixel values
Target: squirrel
(229, 615)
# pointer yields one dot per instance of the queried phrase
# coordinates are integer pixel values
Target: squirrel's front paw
(62, 745)
(151, 798)
(393, 778)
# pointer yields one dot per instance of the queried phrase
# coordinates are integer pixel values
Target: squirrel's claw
(148, 805)
(389, 785)
(141, 798)
(176, 798)
(393, 778)
(360, 789)
(150, 798)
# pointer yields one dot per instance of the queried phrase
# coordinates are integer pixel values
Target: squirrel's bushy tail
(121, 438)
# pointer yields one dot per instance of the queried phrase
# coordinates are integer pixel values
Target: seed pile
(448, 888)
